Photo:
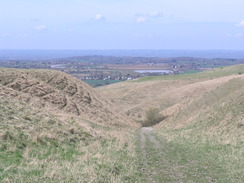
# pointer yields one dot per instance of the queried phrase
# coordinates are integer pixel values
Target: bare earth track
(154, 164)
(160, 161)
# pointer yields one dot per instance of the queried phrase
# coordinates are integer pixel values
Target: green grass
(221, 163)
(182, 160)
(36, 146)
(97, 83)
(210, 147)
(214, 73)
(192, 72)
(98, 162)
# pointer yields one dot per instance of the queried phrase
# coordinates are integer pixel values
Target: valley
(56, 128)
(200, 138)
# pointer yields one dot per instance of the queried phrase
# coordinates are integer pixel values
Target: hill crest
(59, 92)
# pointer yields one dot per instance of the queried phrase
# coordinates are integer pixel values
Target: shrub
(152, 117)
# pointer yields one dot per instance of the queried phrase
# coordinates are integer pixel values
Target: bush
(152, 117)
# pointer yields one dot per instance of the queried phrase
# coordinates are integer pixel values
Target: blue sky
(122, 24)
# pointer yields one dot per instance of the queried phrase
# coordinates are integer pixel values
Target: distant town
(103, 70)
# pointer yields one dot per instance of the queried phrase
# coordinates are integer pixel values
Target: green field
(97, 83)
(214, 73)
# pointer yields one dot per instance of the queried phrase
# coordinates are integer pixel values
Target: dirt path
(147, 131)
(163, 161)
(155, 166)
(147, 137)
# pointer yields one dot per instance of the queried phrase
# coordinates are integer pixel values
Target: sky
(122, 24)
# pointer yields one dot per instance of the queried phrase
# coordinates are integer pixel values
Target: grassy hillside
(209, 130)
(214, 73)
(44, 139)
(55, 128)
(210, 101)
(59, 92)
(37, 146)
(135, 97)
(202, 135)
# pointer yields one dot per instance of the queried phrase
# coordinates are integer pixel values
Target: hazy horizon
(127, 24)
(33, 54)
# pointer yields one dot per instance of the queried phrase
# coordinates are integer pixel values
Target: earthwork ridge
(58, 92)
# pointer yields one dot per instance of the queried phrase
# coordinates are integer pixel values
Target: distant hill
(53, 54)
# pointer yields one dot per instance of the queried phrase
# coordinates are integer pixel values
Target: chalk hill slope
(60, 93)
(55, 128)
(207, 103)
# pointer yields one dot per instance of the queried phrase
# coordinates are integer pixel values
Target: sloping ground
(135, 97)
(22, 125)
(207, 103)
(55, 128)
(207, 133)
(217, 112)
(58, 92)
(185, 160)
(38, 146)
(201, 140)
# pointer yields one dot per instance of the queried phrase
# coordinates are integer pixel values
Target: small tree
(152, 117)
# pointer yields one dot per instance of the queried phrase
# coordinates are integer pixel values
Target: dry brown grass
(59, 92)
(39, 146)
(134, 98)
(55, 128)
(45, 138)
(209, 103)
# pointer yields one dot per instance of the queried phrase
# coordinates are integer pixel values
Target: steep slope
(205, 103)
(218, 112)
(60, 93)
(201, 139)
(39, 146)
(55, 128)
(22, 125)
(135, 97)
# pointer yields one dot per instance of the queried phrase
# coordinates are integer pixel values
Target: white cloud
(41, 27)
(156, 14)
(141, 19)
(99, 17)
(241, 24)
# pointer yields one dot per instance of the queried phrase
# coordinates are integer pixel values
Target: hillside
(204, 104)
(39, 146)
(216, 112)
(58, 92)
(55, 128)
(174, 95)
(201, 137)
